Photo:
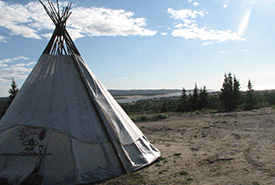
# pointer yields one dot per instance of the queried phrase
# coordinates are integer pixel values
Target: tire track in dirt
(268, 147)
(256, 165)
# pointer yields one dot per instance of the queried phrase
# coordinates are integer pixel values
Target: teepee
(64, 127)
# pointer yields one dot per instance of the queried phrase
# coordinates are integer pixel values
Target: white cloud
(8, 60)
(14, 71)
(74, 33)
(17, 72)
(207, 43)
(164, 33)
(190, 29)
(47, 35)
(204, 34)
(16, 18)
(11, 68)
(29, 20)
(185, 14)
(23, 64)
(2, 39)
(3, 65)
(222, 52)
(244, 51)
(195, 3)
(20, 57)
(107, 22)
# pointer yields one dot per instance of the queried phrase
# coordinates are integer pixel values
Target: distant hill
(142, 92)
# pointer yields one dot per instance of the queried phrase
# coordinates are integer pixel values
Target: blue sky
(149, 44)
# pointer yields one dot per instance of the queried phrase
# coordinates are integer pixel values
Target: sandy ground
(221, 148)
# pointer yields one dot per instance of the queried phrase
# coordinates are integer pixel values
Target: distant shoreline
(143, 92)
(130, 99)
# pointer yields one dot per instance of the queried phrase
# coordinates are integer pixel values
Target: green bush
(148, 117)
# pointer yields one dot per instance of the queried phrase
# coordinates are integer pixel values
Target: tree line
(229, 98)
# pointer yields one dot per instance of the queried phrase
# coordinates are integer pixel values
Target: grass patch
(203, 134)
(184, 173)
(162, 158)
(217, 171)
(149, 117)
(187, 181)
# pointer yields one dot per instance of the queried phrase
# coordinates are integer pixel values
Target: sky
(148, 44)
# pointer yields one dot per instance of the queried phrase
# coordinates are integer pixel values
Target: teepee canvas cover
(64, 126)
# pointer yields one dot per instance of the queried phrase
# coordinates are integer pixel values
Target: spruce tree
(250, 99)
(227, 93)
(13, 92)
(230, 93)
(203, 98)
(236, 93)
(183, 104)
(194, 99)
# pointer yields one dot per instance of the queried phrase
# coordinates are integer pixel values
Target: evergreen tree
(250, 99)
(236, 93)
(227, 92)
(194, 99)
(203, 98)
(230, 93)
(13, 92)
(183, 104)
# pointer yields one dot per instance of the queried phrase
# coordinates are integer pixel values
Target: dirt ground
(219, 148)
